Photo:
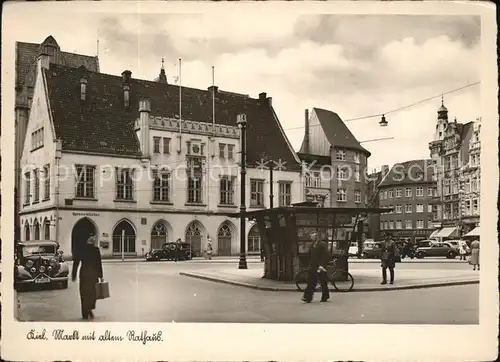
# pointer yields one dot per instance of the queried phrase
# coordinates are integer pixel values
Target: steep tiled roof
(103, 120)
(320, 160)
(337, 132)
(409, 172)
(27, 53)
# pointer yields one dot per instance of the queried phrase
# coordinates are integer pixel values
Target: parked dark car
(170, 251)
(371, 250)
(39, 263)
(437, 249)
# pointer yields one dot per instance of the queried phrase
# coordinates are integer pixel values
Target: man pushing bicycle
(318, 260)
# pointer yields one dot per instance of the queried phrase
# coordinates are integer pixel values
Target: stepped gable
(103, 124)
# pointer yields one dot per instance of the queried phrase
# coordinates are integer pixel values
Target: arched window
(46, 229)
(224, 238)
(129, 239)
(159, 234)
(27, 235)
(193, 237)
(36, 230)
(254, 239)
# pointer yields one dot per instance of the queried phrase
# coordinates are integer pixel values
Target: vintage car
(170, 251)
(437, 249)
(371, 250)
(39, 263)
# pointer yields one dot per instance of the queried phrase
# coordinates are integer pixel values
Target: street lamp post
(58, 160)
(242, 123)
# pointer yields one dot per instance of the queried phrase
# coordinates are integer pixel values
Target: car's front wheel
(64, 285)
(451, 255)
(420, 255)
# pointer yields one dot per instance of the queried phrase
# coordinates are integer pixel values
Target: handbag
(102, 289)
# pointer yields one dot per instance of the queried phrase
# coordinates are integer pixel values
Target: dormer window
(340, 155)
(83, 88)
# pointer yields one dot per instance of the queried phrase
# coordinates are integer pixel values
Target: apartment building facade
(408, 189)
(457, 175)
(124, 159)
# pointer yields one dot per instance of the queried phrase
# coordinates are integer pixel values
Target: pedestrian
(262, 255)
(474, 256)
(462, 249)
(388, 258)
(89, 257)
(318, 260)
(209, 250)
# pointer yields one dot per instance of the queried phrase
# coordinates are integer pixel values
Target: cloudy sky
(351, 64)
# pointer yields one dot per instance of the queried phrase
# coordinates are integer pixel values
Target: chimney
(385, 170)
(126, 95)
(270, 101)
(83, 88)
(126, 75)
(306, 134)
(262, 96)
(43, 61)
(144, 110)
(213, 88)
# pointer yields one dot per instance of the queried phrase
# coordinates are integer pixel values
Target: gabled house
(25, 77)
(127, 160)
(332, 154)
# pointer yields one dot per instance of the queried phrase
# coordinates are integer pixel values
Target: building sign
(85, 214)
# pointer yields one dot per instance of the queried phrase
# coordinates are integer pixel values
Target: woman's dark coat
(91, 270)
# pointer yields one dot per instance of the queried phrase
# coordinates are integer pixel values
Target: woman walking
(89, 257)
(388, 259)
(462, 249)
(474, 256)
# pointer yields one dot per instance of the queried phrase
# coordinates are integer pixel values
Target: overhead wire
(399, 108)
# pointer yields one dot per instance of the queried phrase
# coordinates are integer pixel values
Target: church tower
(442, 122)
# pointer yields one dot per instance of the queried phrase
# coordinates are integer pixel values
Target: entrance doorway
(81, 232)
(129, 240)
(193, 237)
(224, 238)
(159, 234)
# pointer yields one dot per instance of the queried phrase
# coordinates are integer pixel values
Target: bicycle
(341, 280)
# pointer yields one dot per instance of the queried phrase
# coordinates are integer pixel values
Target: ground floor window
(254, 240)
(128, 239)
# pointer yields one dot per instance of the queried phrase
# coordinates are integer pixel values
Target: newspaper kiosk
(285, 234)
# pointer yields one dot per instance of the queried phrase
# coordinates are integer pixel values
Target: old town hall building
(119, 156)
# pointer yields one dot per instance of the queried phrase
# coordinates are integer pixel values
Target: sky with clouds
(352, 64)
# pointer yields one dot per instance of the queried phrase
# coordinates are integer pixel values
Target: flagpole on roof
(213, 99)
(180, 103)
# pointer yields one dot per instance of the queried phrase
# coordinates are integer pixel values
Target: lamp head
(383, 122)
(241, 120)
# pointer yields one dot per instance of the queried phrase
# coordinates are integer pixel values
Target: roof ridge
(221, 91)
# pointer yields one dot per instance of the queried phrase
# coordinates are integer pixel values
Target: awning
(434, 233)
(474, 232)
(447, 233)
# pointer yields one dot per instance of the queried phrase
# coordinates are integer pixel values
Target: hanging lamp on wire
(383, 122)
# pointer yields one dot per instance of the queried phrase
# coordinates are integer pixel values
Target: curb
(374, 289)
(113, 261)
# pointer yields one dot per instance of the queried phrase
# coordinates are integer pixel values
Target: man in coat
(318, 260)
